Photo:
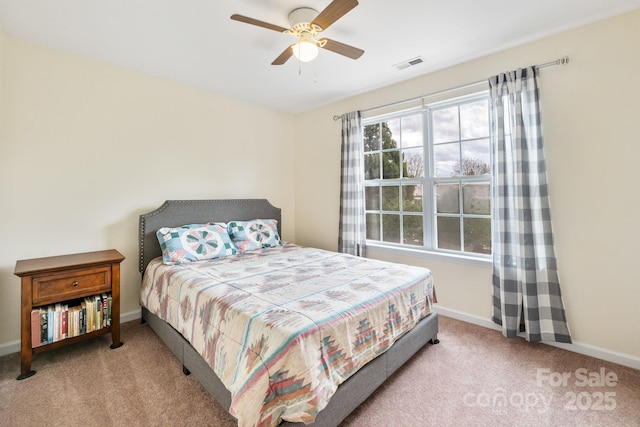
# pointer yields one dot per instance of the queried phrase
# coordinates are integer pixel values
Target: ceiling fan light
(305, 51)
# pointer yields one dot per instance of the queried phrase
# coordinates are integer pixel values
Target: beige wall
(590, 113)
(86, 147)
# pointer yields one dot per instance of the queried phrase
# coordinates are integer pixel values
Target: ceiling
(194, 42)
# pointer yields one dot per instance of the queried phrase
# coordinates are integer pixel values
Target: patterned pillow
(254, 234)
(194, 242)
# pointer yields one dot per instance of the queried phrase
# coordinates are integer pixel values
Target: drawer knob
(75, 283)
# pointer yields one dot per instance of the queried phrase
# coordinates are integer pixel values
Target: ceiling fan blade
(257, 22)
(284, 56)
(343, 49)
(336, 10)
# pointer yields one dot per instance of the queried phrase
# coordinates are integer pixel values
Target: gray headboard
(174, 213)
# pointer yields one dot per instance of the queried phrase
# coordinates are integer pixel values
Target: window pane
(476, 157)
(447, 198)
(372, 198)
(390, 134)
(413, 231)
(412, 129)
(394, 134)
(390, 198)
(372, 166)
(391, 164)
(373, 226)
(476, 198)
(446, 159)
(371, 137)
(391, 228)
(477, 235)
(413, 163)
(412, 198)
(448, 233)
(445, 125)
(474, 120)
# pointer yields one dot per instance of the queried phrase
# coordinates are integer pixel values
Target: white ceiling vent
(409, 63)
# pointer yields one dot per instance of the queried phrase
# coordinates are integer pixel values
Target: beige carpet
(474, 377)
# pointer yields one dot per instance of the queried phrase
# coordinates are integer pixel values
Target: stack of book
(60, 321)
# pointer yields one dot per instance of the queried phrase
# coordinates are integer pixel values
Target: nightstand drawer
(71, 284)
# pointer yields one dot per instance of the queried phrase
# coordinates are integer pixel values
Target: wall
(590, 114)
(86, 147)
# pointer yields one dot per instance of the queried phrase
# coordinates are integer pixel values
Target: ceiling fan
(306, 25)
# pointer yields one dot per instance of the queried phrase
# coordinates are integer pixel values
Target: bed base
(349, 395)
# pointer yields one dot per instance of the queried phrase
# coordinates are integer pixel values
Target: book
(74, 321)
(83, 317)
(69, 313)
(50, 324)
(35, 327)
(104, 311)
(89, 315)
(109, 303)
(75, 312)
(57, 322)
(98, 312)
(43, 326)
(64, 317)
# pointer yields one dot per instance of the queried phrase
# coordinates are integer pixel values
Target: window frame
(428, 182)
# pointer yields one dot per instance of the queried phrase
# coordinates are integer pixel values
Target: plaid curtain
(526, 291)
(352, 231)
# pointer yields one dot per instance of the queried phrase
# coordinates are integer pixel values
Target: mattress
(283, 327)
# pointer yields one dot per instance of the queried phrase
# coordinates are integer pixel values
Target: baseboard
(576, 347)
(128, 317)
(14, 346)
(10, 347)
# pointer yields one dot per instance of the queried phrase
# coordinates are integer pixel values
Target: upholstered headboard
(174, 213)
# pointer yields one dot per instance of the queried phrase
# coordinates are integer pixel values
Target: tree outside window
(442, 203)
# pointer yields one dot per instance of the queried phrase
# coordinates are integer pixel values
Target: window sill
(484, 262)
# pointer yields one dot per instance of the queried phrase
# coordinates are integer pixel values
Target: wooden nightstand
(88, 283)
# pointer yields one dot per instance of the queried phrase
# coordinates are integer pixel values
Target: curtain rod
(561, 61)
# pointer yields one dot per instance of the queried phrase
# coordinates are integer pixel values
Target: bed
(339, 382)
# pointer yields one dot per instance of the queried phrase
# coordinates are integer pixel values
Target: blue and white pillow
(195, 242)
(254, 234)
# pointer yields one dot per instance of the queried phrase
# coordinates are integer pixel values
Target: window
(428, 177)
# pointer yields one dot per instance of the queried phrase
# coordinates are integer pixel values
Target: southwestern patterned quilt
(283, 327)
